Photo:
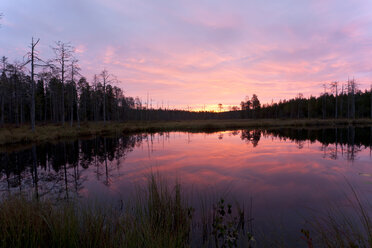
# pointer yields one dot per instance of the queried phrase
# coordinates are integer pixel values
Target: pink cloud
(192, 53)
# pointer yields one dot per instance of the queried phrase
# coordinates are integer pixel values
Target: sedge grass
(342, 226)
(158, 218)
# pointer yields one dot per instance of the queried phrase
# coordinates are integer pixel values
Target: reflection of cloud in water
(283, 170)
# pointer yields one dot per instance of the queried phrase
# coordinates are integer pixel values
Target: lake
(282, 176)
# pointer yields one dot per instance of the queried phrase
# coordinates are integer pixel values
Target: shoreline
(12, 135)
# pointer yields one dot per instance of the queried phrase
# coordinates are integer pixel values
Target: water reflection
(282, 170)
(57, 168)
(344, 142)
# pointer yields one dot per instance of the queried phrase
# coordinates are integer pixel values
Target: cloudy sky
(202, 52)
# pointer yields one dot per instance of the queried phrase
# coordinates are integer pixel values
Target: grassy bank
(54, 132)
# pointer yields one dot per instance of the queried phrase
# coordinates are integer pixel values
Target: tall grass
(342, 226)
(158, 218)
(157, 215)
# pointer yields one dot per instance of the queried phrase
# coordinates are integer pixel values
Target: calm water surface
(287, 175)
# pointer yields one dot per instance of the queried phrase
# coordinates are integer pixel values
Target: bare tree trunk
(71, 107)
(341, 101)
(336, 112)
(50, 105)
(16, 111)
(72, 98)
(77, 110)
(308, 108)
(324, 106)
(371, 100)
(2, 111)
(348, 99)
(63, 92)
(33, 45)
(104, 101)
(353, 88)
(63, 52)
(10, 108)
(324, 100)
(353, 104)
(95, 105)
(45, 107)
(107, 78)
(22, 117)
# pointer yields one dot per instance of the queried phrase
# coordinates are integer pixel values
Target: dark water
(287, 175)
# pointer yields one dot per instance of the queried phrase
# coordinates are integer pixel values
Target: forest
(348, 102)
(39, 91)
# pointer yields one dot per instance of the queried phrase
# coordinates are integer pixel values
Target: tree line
(41, 91)
(44, 91)
(337, 101)
(54, 90)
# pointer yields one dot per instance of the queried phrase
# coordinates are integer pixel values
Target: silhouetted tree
(324, 101)
(256, 105)
(351, 86)
(106, 79)
(334, 86)
(63, 55)
(33, 45)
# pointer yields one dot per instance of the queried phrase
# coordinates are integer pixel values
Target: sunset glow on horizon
(196, 54)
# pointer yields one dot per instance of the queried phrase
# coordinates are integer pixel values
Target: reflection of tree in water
(61, 169)
(346, 142)
(252, 136)
(234, 133)
(58, 169)
(370, 142)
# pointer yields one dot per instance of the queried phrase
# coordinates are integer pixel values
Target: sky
(200, 53)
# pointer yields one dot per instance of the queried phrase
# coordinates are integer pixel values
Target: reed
(157, 215)
(342, 226)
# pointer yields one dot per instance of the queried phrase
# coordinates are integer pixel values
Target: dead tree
(95, 99)
(3, 82)
(106, 79)
(63, 54)
(351, 97)
(33, 58)
(33, 45)
(299, 99)
(370, 92)
(334, 87)
(73, 96)
(324, 98)
(341, 100)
